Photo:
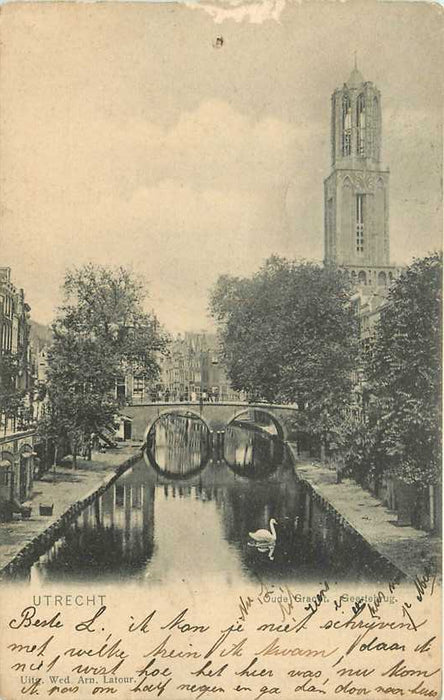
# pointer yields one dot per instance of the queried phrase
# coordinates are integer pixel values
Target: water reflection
(170, 522)
(251, 451)
(178, 445)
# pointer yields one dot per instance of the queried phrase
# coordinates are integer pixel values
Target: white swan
(265, 537)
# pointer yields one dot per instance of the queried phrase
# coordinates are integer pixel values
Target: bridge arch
(280, 428)
(177, 412)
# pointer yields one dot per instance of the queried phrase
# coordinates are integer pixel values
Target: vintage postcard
(220, 350)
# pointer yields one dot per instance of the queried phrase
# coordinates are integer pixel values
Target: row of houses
(22, 365)
(192, 372)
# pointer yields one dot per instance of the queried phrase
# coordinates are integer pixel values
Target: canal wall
(40, 543)
(405, 549)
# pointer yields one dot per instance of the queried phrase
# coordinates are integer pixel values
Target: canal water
(186, 510)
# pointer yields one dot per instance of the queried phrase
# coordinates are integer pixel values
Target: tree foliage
(101, 332)
(289, 334)
(404, 372)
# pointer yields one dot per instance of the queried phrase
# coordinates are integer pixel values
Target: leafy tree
(100, 333)
(289, 334)
(404, 373)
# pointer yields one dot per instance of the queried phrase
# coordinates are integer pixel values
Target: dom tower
(357, 190)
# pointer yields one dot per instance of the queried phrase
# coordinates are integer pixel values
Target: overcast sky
(127, 138)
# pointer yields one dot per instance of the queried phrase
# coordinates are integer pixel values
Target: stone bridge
(216, 415)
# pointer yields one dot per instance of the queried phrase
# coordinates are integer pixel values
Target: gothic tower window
(374, 129)
(346, 126)
(360, 213)
(360, 132)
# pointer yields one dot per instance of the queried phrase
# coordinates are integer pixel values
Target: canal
(186, 510)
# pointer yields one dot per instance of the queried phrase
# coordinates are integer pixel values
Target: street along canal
(185, 510)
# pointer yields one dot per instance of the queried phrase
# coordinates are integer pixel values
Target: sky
(127, 137)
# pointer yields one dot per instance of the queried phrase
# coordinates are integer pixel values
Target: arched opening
(177, 444)
(362, 277)
(382, 279)
(361, 125)
(6, 483)
(374, 129)
(26, 471)
(346, 125)
(253, 443)
(262, 419)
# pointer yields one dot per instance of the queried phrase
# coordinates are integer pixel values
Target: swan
(265, 537)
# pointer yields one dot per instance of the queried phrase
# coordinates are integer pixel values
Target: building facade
(193, 371)
(15, 353)
(16, 393)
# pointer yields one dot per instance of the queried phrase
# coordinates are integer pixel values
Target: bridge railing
(136, 401)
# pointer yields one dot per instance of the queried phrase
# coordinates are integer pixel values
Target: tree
(404, 372)
(100, 333)
(289, 334)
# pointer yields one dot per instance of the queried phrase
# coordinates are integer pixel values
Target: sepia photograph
(220, 347)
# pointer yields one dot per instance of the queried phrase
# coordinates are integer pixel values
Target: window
(5, 476)
(374, 128)
(360, 212)
(138, 385)
(120, 388)
(330, 222)
(361, 125)
(346, 126)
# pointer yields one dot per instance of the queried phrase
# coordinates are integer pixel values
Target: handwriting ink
(250, 671)
(420, 689)
(28, 619)
(87, 625)
(224, 634)
(141, 626)
(308, 687)
(105, 650)
(265, 690)
(151, 671)
(273, 649)
(236, 649)
(400, 670)
(421, 584)
(208, 672)
(164, 652)
(352, 672)
(244, 607)
(350, 689)
(426, 646)
(200, 689)
(31, 648)
(183, 626)
(32, 689)
(318, 599)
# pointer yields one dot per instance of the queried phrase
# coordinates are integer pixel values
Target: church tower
(357, 190)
